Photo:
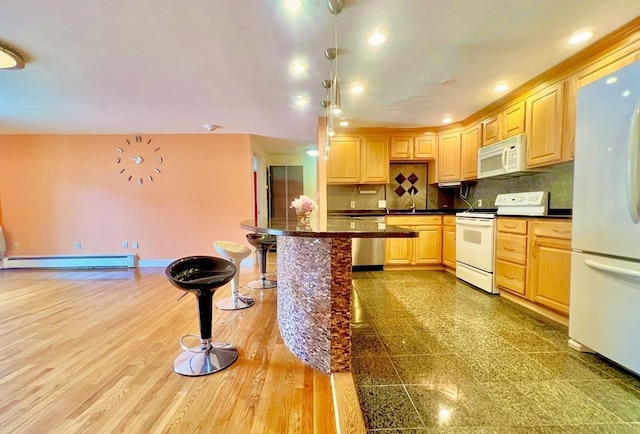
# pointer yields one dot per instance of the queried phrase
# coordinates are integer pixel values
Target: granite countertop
(382, 212)
(334, 227)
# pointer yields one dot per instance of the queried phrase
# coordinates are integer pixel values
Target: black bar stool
(262, 242)
(202, 276)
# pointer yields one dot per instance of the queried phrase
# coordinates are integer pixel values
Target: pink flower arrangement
(303, 204)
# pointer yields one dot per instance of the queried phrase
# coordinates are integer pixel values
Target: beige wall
(57, 190)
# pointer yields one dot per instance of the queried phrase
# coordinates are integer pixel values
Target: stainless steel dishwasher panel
(368, 251)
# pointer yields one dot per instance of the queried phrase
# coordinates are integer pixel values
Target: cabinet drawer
(514, 226)
(511, 277)
(415, 220)
(552, 229)
(512, 248)
(449, 220)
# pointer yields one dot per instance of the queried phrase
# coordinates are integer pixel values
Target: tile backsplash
(558, 181)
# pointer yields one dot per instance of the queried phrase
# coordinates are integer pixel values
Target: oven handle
(474, 222)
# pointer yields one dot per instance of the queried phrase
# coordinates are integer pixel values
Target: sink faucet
(413, 202)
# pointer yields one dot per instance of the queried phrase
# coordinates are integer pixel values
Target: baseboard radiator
(74, 261)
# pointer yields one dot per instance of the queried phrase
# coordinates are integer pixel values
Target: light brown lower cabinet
(449, 241)
(426, 249)
(533, 260)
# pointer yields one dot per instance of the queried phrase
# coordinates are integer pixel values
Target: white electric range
(476, 236)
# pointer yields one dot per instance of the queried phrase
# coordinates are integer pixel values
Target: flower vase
(304, 219)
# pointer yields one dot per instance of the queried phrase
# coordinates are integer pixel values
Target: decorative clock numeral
(157, 149)
(121, 170)
(159, 159)
(118, 160)
(130, 176)
(157, 170)
(119, 149)
(140, 181)
(150, 178)
(138, 140)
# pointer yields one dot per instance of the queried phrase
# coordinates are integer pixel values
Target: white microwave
(504, 159)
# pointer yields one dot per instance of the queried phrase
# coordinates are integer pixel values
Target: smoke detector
(211, 127)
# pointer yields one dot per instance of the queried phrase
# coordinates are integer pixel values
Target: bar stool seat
(262, 242)
(235, 253)
(202, 276)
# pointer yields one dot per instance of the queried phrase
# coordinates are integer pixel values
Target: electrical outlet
(352, 225)
(16, 246)
(78, 245)
(125, 245)
(353, 204)
(479, 203)
(134, 245)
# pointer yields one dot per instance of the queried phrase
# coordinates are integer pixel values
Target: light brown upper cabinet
(358, 160)
(471, 142)
(407, 148)
(449, 156)
(544, 126)
(375, 160)
(509, 122)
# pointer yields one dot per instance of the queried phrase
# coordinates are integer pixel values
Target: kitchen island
(314, 284)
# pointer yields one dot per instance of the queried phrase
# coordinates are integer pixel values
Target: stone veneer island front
(314, 284)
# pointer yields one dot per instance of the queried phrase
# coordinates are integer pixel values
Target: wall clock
(138, 160)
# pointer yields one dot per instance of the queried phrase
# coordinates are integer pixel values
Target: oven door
(475, 242)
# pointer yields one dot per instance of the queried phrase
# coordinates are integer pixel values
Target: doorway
(285, 183)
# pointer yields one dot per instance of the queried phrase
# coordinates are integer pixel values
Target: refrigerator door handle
(633, 174)
(611, 269)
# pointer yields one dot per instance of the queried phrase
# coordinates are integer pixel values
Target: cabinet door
(471, 141)
(490, 130)
(375, 160)
(401, 148)
(343, 165)
(544, 126)
(399, 251)
(449, 157)
(550, 273)
(428, 245)
(513, 120)
(425, 147)
(449, 246)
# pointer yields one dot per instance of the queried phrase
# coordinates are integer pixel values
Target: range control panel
(528, 203)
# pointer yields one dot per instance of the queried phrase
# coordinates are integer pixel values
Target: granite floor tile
(386, 407)
(565, 366)
(482, 364)
(621, 400)
(374, 371)
(566, 404)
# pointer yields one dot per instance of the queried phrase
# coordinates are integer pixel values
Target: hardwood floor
(91, 351)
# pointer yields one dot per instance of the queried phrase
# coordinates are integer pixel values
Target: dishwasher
(368, 253)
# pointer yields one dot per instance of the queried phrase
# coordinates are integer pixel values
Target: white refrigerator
(604, 313)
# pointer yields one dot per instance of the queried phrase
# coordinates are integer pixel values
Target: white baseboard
(163, 263)
(70, 261)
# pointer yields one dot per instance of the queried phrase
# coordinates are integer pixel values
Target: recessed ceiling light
(292, 5)
(357, 88)
(580, 36)
(449, 81)
(344, 123)
(626, 93)
(611, 80)
(501, 87)
(10, 59)
(447, 119)
(312, 152)
(211, 127)
(336, 110)
(376, 38)
(301, 100)
(297, 67)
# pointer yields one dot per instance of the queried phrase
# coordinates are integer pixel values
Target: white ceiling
(170, 66)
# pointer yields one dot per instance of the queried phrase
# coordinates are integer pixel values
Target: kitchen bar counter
(314, 285)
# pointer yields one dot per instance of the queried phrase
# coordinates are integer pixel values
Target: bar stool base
(262, 284)
(196, 364)
(235, 303)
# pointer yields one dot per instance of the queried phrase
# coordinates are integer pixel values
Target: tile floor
(432, 354)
